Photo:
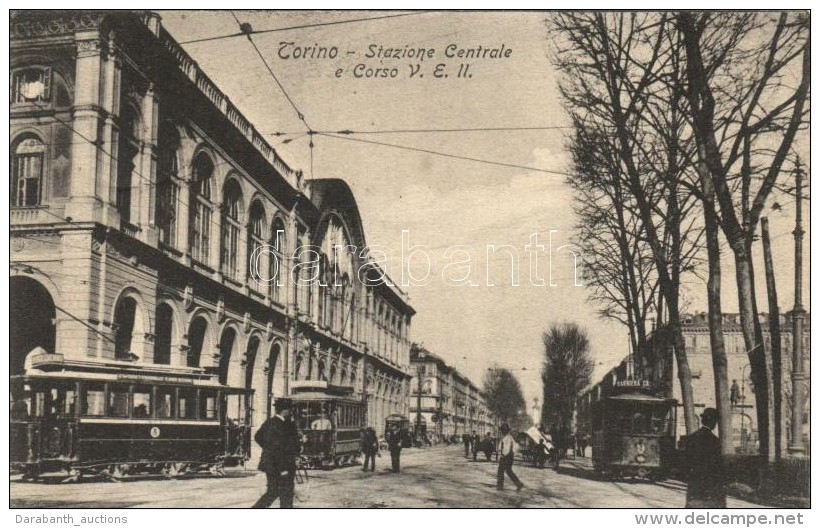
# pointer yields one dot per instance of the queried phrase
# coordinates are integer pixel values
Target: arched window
(277, 260)
(197, 341)
(250, 356)
(29, 85)
(256, 240)
(200, 221)
(231, 211)
(128, 326)
(226, 348)
(27, 172)
(164, 334)
(167, 187)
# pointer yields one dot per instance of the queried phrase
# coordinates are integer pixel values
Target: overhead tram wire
(247, 30)
(348, 132)
(305, 26)
(445, 154)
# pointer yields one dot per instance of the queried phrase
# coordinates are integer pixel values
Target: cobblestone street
(430, 478)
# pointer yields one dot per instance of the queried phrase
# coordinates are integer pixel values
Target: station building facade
(145, 209)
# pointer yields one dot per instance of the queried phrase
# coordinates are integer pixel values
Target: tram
(330, 421)
(407, 432)
(65, 425)
(633, 434)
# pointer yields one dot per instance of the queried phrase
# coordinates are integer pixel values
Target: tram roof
(321, 396)
(640, 397)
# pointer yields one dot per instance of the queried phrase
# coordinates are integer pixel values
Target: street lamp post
(744, 433)
(419, 370)
(796, 446)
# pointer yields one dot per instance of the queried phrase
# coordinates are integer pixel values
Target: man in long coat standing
(370, 448)
(704, 465)
(393, 437)
(279, 440)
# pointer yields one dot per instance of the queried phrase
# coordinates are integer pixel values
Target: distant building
(450, 403)
(657, 368)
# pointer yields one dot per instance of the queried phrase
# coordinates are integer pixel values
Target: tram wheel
(120, 471)
(217, 470)
(175, 469)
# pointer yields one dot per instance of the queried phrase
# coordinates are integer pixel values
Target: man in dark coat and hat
(279, 440)
(704, 465)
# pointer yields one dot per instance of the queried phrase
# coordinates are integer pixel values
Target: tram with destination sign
(65, 425)
(330, 421)
(633, 433)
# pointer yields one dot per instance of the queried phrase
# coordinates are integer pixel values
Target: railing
(129, 229)
(186, 64)
(26, 215)
(190, 68)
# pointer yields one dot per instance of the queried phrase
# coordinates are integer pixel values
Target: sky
(410, 197)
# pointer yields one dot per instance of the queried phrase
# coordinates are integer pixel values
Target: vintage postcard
(409, 259)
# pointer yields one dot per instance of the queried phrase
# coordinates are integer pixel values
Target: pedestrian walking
(488, 446)
(475, 444)
(370, 448)
(466, 439)
(506, 458)
(394, 441)
(541, 454)
(279, 441)
(704, 465)
(583, 442)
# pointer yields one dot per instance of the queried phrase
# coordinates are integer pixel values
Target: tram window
(20, 405)
(142, 402)
(93, 400)
(301, 415)
(39, 403)
(187, 403)
(60, 402)
(234, 406)
(639, 424)
(207, 405)
(118, 401)
(165, 402)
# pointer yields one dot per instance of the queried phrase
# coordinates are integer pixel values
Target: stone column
(84, 200)
(184, 212)
(214, 255)
(146, 199)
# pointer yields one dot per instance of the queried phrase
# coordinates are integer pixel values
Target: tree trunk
(719, 361)
(755, 350)
(684, 373)
(774, 331)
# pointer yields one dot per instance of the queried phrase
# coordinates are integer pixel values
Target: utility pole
(419, 368)
(796, 445)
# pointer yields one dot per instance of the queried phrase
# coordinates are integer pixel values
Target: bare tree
(747, 88)
(612, 65)
(618, 265)
(566, 373)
